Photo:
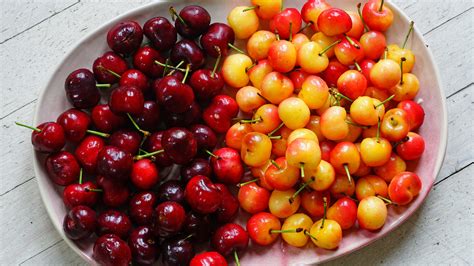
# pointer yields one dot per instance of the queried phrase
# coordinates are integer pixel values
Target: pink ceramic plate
(53, 101)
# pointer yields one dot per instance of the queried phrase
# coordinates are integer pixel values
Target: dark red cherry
(227, 166)
(144, 174)
(114, 193)
(189, 117)
(171, 190)
(126, 99)
(205, 137)
(143, 246)
(173, 95)
(202, 195)
(114, 163)
(105, 120)
(153, 143)
(125, 37)
(48, 137)
(189, 52)
(170, 218)
(197, 166)
(207, 259)
(126, 139)
(179, 144)
(205, 84)
(193, 21)
(161, 33)
(80, 222)
(136, 78)
(366, 66)
(80, 195)
(218, 35)
(109, 67)
(81, 89)
(218, 115)
(199, 226)
(87, 151)
(149, 119)
(62, 168)
(229, 238)
(332, 73)
(113, 222)
(75, 124)
(110, 250)
(177, 251)
(144, 60)
(142, 207)
(229, 206)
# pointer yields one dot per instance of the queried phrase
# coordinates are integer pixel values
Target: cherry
(298, 76)
(177, 251)
(235, 134)
(344, 212)
(136, 78)
(207, 259)
(62, 168)
(191, 21)
(282, 56)
(311, 11)
(415, 113)
(326, 234)
(244, 21)
(105, 120)
(235, 70)
(227, 166)
(366, 66)
(294, 113)
(377, 16)
(125, 37)
(146, 60)
(82, 194)
(48, 137)
(266, 9)
(81, 89)
(352, 84)
(333, 71)
(345, 158)
(348, 51)
(259, 44)
(260, 227)
(114, 163)
(373, 43)
(334, 21)
(141, 208)
(171, 190)
(149, 119)
(179, 144)
(75, 124)
(218, 35)
(114, 193)
(87, 152)
(411, 147)
(202, 195)
(109, 67)
(206, 138)
(256, 149)
(219, 113)
(144, 174)
(314, 92)
(283, 204)
(206, 84)
(154, 144)
(371, 213)
(357, 28)
(173, 94)
(126, 99)
(282, 176)
(230, 238)
(313, 202)
(79, 223)
(276, 87)
(286, 23)
(385, 74)
(126, 139)
(143, 245)
(170, 218)
(114, 222)
(371, 185)
(229, 206)
(258, 72)
(110, 250)
(161, 33)
(197, 166)
(189, 117)
(197, 225)
(189, 52)
(404, 187)
(253, 198)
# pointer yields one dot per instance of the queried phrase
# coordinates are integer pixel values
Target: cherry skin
(110, 250)
(199, 226)
(144, 174)
(256, 149)
(218, 35)
(411, 147)
(62, 168)
(352, 84)
(149, 119)
(327, 236)
(105, 120)
(171, 190)
(371, 213)
(394, 166)
(282, 56)
(373, 43)
(177, 251)
(377, 16)
(294, 113)
(173, 94)
(218, 115)
(114, 193)
(197, 166)
(143, 245)
(47, 137)
(205, 137)
(283, 204)
(161, 33)
(258, 72)
(113, 222)
(253, 198)
(80, 195)
(344, 212)
(145, 61)
(298, 76)
(134, 77)
(154, 143)
(314, 92)
(357, 28)
(107, 64)
(259, 228)
(249, 100)
(313, 202)
(348, 53)
(179, 144)
(125, 37)
(170, 218)
(80, 222)
(243, 21)
(371, 185)
(202, 195)
(415, 113)
(394, 125)
(227, 166)
(126, 139)
(259, 44)
(81, 89)
(87, 152)
(265, 9)
(114, 163)
(294, 227)
(334, 21)
(187, 118)
(229, 207)
(141, 208)
(311, 11)
(333, 123)
(126, 99)
(230, 238)
(282, 177)
(206, 84)
(366, 66)
(208, 258)
(385, 74)
(189, 52)
(333, 71)
(287, 23)
(404, 187)
(192, 21)
(75, 124)
(235, 70)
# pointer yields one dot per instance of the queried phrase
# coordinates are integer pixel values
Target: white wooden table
(35, 34)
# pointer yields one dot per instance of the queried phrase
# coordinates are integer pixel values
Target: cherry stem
(211, 154)
(300, 189)
(381, 6)
(80, 176)
(356, 125)
(175, 68)
(275, 164)
(101, 134)
(358, 67)
(281, 7)
(263, 97)
(306, 26)
(402, 60)
(332, 91)
(141, 151)
(169, 66)
(275, 137)
(361, 18)
(175, 14)
(277, 36)
(291, 32)
(217, 61)
(346, 168)
(146, 155)
(144, 132)
(329, 47)
(310, 235)
(113, 73)
(102, 85)
(296, 230)
(188, 237)
(349, 39)
(236, 258)
(249, 8)
(302, 170)
(385, 101)
(385, 53)
(378, 130)
(276, 129)
(325, 211)
(235, 48)
(30, 127)
(188, 67)
(386, 200)
(93, 189)
(167, 62)
(250, 67)
(251, 121)
(408, 34)
(248, 182)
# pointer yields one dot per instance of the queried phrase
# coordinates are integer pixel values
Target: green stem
(385, 101)
(306, 26)
(102, 85)
(381, 6)
(101, 134)
(408, 34)
(361, 18)
(349, 39)
(177, 66)
(275, 137)
(356, 125)
(300, 189)
(236, 258)
(291, 32)
(346, 168)
(235, 48)
(386, 200)
(169, 66)
(175, 14)
(378, 130)
(211, 154)
(248, 182)
(30, 127)
(332, 91)
(93, 189)
(275, 164)
(188, 67)
(329, 47)
(276, 129)
(385, 53)
(251, 121)
(250, 8)
(80, 176)
(110, 71)
(325, 211)
(296, 230)
(310, 235)
(217, 61)
(144, 132)
(146, 155)
(358, 67)
(165, 70)
(302, 170)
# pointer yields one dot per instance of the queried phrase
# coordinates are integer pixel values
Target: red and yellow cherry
(357, 28)
(333, 71)
(259, 174)
(299, 40)
(276, 87)
(256, 149)
(366, 66)
(265, 119)
(326, 234)
(259, 44)
(411, 147)
(227, 166)
(334, 21)
(391, 168)
(371, 213)
(375, 151)
(282, 56)
(294, 113)
(267, 9)
(282, 176)
(282, 204)
(314, 92)
(314, 125)
(320, 178)
(294, 227)
(379, 94)
(326, 148)
(377, 16)
(373, 43)
(325, 41)
(415, 113)
(371, 185)
(407, 89)
(385, 74)
(279, 145)
(234, 70)
(354, 131)
(347, 52)
(363, 168)
(342, 187)
(286, 23)
(370, 132)
(301, 133)
(404, 187)
(253, 198)
(394, 125)
(244, 21)
(312, 58)
(367, 111)
(333, 123)
(313, 202)
(396, 53)
(260, 227)
(311, 11)
(298, 76)
(235, 134)
(248, 99)
(344, 212)
(345, 158)
(303, 153)
(352, 84)
(258, 72)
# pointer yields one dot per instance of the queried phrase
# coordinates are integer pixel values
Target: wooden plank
(58, 253)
